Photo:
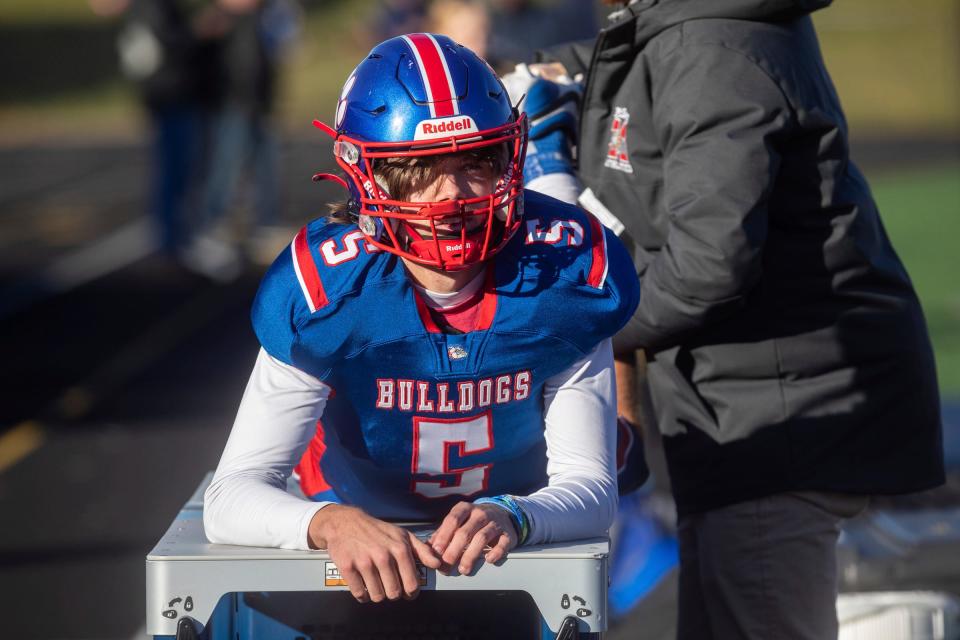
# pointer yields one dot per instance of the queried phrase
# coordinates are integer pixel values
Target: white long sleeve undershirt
(561, 186)
(247, 502)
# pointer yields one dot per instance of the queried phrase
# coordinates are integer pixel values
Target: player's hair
(403, 176)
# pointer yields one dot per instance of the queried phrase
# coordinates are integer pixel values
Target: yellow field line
(19, 442)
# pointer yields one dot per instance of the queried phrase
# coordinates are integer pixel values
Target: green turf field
(921, 210)
(896, 64)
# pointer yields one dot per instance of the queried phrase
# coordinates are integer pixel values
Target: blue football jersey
(420, 419)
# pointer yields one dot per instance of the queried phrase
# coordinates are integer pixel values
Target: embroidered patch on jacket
(618, 157)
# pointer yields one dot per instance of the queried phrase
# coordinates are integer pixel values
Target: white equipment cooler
(196, 589)
(898, 615)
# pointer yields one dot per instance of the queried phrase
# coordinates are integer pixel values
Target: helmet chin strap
(453, 252)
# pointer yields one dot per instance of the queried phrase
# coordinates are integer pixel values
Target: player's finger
(409, 575)
(483, 538)
(448, 527)
(458, 543)
(425, 553)
(499, 549)
(355, 583)
(549, 70)
(390, 578)
(371, 580)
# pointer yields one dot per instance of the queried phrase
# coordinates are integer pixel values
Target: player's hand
(541, 89)
(552, 71)
(473, 530)
(551, 102)
(377, 559)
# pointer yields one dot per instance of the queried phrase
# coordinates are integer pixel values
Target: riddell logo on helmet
(445, 127)
(453, 248)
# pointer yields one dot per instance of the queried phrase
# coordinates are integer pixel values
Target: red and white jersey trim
(598, 263)
(437, 80)
(307, 273)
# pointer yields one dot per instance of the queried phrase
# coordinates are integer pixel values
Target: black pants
(763, 569)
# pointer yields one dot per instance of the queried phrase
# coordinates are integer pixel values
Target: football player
(443, 337)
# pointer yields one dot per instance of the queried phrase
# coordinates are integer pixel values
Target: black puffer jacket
(789, 349)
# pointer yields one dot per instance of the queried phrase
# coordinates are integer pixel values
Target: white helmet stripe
(437, 81)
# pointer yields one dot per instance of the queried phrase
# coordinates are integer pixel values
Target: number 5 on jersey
(435, 438)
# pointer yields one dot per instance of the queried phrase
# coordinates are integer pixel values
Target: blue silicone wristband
(517, 516)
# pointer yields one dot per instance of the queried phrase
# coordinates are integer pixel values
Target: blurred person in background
(260, 33)
(396, 17)
(503, 31)
(790, 367)
(169, 48)
(466, 22)
(519, 28)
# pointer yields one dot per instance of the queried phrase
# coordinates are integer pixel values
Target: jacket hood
(653, 16)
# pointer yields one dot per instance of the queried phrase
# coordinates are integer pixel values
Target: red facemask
(381, 217)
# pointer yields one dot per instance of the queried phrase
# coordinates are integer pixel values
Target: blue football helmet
(424, 95)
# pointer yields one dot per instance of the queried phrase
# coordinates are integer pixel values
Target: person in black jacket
(790, 368)
(259, 35)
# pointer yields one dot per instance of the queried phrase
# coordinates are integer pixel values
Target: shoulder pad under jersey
(582, 248)
(324, 262)
(563, 244)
